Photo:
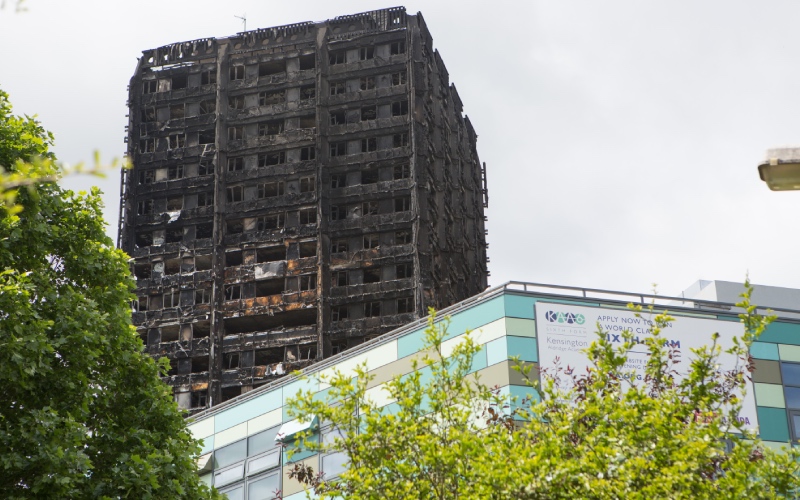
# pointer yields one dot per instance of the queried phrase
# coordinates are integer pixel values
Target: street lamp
(781, 169)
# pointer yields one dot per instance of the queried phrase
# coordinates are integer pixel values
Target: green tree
(454, 437)
(83, 413)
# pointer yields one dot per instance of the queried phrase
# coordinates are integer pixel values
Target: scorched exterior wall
(295, 190)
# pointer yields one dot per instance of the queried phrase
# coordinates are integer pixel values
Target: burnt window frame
(271, 159)
(372, 274)
(307, 282)
(369, 145)
(236, 102)
(338, 148)
(234, 194)
(307, 216)
(271, 128)
(236, 133)
(404, 270)
(371, 241)
(144, 207)
(337, 88)
(405, 305)
(308, 153)
(340, 278)
(237, 72)
(175, 172)
(265, 222)
(148, 114)
(202, 296)
(366, 53)
(208, 77)
(399, 78)
(369, 207)
(207, 107)
(147, 177)
(401, 171)
(402, 204)
(398, 47)
(149, 86)
(339, 313)
(265, 96)
(205, 199)
(369, 113)
(400, 140)
(340, 245)
(235, 164)
(338, 181)
(176, 141)
(308, 184)
(338, 212)
(372, 309)
(366, 83)
(400, 108)
(205, 137)
(308, 92)
(336, 57)
(233, 292)
(338, 117)
(147, 145)
(270, 189)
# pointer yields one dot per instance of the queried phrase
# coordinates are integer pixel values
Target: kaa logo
(568, 318)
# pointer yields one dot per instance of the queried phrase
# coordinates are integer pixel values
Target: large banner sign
(565, 331)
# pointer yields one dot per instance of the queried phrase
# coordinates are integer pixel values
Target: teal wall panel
(782, 333)
(522, 397)
(469, 319)
(290, 391)
(390, 409)
(496, 351)
(247, 410)
(772, 424)
(206, 445)
(517, 306)
(474, 317)
(296, 450)
(410, 343)
(524, 347)
(764, 350)
(479, 362)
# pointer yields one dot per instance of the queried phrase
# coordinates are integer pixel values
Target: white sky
(621, 137)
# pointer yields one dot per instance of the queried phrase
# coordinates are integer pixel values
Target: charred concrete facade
(296, 190)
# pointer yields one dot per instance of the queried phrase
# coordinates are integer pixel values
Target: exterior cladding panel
(501, 321)
(296, 190)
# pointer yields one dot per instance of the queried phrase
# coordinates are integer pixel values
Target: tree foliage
(83, 413)
(451, 436)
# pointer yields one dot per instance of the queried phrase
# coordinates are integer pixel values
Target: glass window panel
(263, 463)
(229, 475)
(329, 437)
(230, 454)
(235, 493)
(792, 397)
(796, 424)
(261, 442)
(264, 488)
(791, 373)
(334, 464)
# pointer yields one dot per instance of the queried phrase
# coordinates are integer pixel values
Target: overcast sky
(621, 137)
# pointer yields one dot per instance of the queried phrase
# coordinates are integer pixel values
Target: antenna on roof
(243, 17)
